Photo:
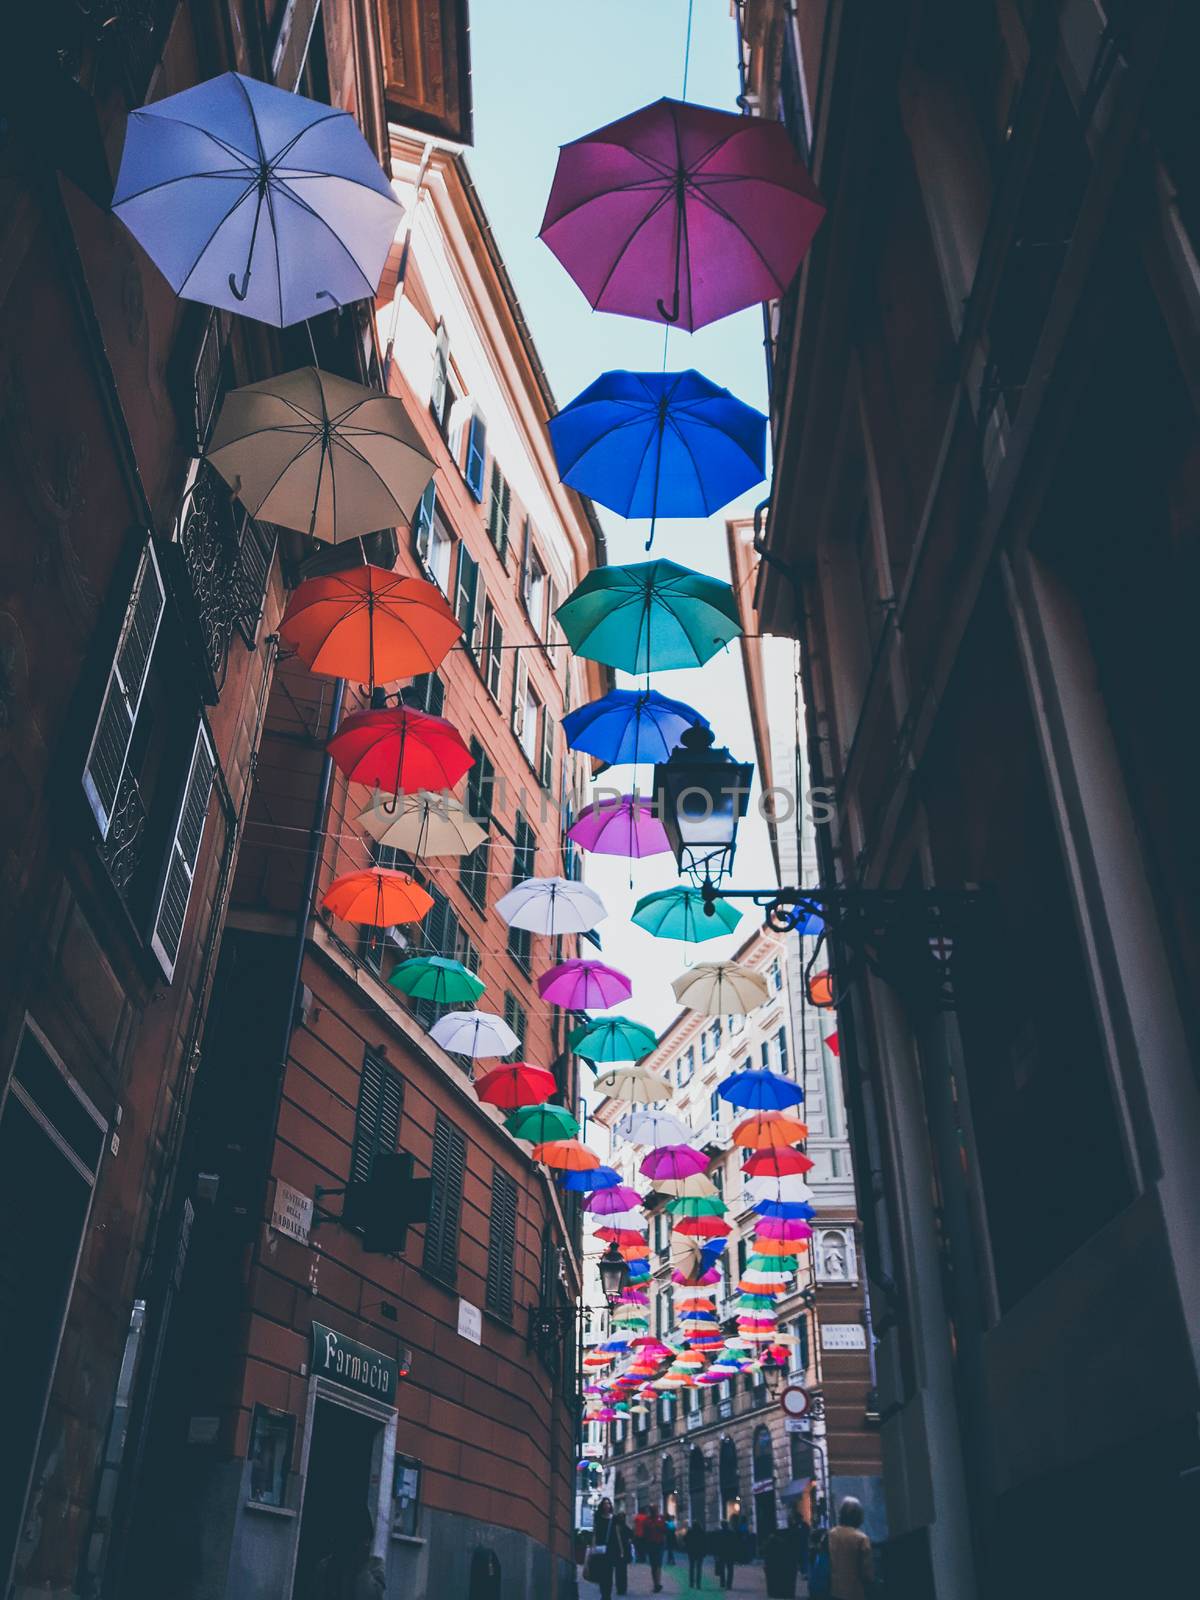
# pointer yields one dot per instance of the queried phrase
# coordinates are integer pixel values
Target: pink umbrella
(711, 1276)
(680, 213)
(774, 1227)
(584, 986)
(673, 1161)
(621, 827)
(621, 1198)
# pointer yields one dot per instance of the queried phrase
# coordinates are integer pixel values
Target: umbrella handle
(673, 314)
(240, 294)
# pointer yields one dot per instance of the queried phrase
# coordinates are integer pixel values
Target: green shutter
(447, 1165)
(377, 1121)
(502, 1241)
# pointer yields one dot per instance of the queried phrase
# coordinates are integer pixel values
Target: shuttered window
(377, 1122)
(426, 693)
(446, 1169)
(476, 454)
(546, 763)
(520, 940)
(466, 594)
(123, 694)
(520, 697)
(499, 507)
(422, 524)
(473, 871)
(439, 937)
(514, 1015)
(493, 644)
(502, 1244)
(184, 853)
(441, 374)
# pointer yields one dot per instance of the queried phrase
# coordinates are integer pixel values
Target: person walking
(671, 1539)
(695, 1542)
(620, 1546)
(851, 1564)
(656, 1539)
(723, 1541)
(598, 1568)
(639, 1535)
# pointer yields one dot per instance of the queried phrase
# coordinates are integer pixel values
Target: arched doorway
(763, 1459)
(727, 1479)
(696, 1511)
(670, 1500)
(642, 1484)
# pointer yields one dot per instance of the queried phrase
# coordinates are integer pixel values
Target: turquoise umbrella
(680, 913)
(613, 1039)
(436, 978)
(648, 617)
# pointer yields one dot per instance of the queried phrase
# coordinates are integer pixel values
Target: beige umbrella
(697, 1185)
(318, 453)
(636, 1084)
(423, 824)
(720, 989)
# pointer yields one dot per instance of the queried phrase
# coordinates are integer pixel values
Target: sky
(545, 72)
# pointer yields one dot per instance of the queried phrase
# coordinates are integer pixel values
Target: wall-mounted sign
(356, 1366)
(843, 1336)
(470, 1322)
(797, 1424)
(291, 1212)
(795, 1400)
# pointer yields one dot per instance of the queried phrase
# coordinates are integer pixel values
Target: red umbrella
(777, 1163)
(515, 1084)
(400, 750)
(620, 1236)
(377, 898)
(703, 1227)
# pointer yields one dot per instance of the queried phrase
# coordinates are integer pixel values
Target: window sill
(413, 1539)
(268, 1511)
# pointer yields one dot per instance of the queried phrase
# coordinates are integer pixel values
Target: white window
(529, 722)
(441, 548)
(535, 592)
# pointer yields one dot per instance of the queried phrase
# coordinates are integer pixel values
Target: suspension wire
(687, 51)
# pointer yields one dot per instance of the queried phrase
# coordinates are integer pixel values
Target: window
(781, 1049)
(377, 1120)
(466, 952)
(406, 1497)
(775, 976)
(526, 710)
(514, 1015)
(466, 597)
(685, 1066)
(765, 1053)
(438, 937)
(553, 633)
(502, 1240)
(446, 1169)
(524, 859)
(184, 853)
(441, 393)
(714, 1105)
(710, 1040)
(546, 760)
(270, 1455)
(737, 1023)
(425, 693)
(493, 650)
(499, 507)
(800, 1350)
(439, 552)
(422, 525)
(481, 781)
(534, 588)
(476, 454)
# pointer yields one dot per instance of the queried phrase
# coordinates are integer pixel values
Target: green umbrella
(539, 1123)
(687, 1205)
(436, 978)
(680, 913)
(613, 1039)
(758, 1263)
(649, 616)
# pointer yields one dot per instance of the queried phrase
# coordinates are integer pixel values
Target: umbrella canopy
(784, 1208)
(376, 898)
(652, 1128)
(649, 616)
(679, 913)
(781, 1228)
(768, 1129)
(437, 978)
(777, 1163)
(779, 1247)
(257, 200)
(400, 750)
(582, 985)
(552, 906)
(423, 824)
(568, 1154)
(673, 1161)
(621, 827)
(697, 1206)
(478, 1034)
(315, 452)
(636, 1084)
(596, 1178)
(703, 1227)
(604, 1201)
(369, 625)
(759, 1089)
(613, 1039)
(516, 1084)
(681, 213)
(720, 989)
(541, 1122)
(622, 1236)
(630, 725)
(698, 1185)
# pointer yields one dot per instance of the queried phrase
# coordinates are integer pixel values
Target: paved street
(748, 1583)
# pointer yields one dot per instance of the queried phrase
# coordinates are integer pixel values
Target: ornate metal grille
(226, 556)
(121, 849)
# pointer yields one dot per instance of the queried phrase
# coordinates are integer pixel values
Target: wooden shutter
(520, 683)
(498, 512)
(377, 1121)
(495, 665)
(183, 854)
(547, 758)
(526, 546)
(465, 595)
(105, 764)
(502, 1244)
(476, 450)
(422, 524)
(426, 693)
(447, 1166)
(441, 372)
(781, 1036)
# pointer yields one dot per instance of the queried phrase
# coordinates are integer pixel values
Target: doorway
(341, 1489)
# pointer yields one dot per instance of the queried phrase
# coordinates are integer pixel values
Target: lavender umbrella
(584, 986)
(622, 1198)
(624, 827)
(673, 1161)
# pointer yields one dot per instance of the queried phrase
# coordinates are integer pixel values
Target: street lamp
(702, 795)
(614, 1274)
(774, 1363)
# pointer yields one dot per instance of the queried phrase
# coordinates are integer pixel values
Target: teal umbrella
(613, 1039)
(436, 978)
(539, 1123)
(679, 913)
(648, 617)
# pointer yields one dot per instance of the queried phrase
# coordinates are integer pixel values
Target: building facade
(981, 533)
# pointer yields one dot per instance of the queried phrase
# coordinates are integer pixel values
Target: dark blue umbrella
(790, 1209)
(758, 1089)
(659, 444)
(630, 725)
(597, 1178)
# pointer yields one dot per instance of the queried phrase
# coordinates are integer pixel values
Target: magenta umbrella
(622, 1198)
(681, 213)
(584, 986)
(673, 1161)
(775, 1227)
(621, 827)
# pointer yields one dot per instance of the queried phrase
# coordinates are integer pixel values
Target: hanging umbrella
(604, 1201)
(630, 725)
(537, 1123)
(423, 824)
(552, 906)
(515, 1084)
(779, 1247)
(681, 213)
(582, 985)
(630, 1220)
(790, 1187)
(697, 1185)
(758, 1089)
(652, 1128)
(636, 1084)
(720, 989)
(597, 1178)
(621, 827)
(567, 1154)
(703, 1227)
(781, 1228)
(679, 914)
(257, 200)
(400, 750)
(376, 898)
(649, 616)
(778, 1163)
(673, 1161)
(613, 1039)
(436, 978)
(315, 452)
(784, 1208)
(474, 1033)
(659, 444)
(622, 1236)
(767, 1129)
(697, 1206)
(369, 625)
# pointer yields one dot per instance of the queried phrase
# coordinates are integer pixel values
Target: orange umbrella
(370, 625)
(377, 897)
(780, 1247)
(820, 989)
(567, 1154)
(767, 1130)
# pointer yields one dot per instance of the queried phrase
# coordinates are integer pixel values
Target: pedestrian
(621, 1548)
(723, 1542)
(598, 1568)
(696, 1544)
(851, 1565)
(743, 1541)
(799, 1533)
(671, 1540)
(350, 1571)
(639, 1535)
(656, 1539)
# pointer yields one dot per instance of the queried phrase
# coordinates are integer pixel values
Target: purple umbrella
(674, 1161)
(621, 1198)
(624, 827)
(584, 986)
(680, 213)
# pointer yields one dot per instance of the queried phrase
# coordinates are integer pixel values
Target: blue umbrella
(630, 725)
(584, 1182)
(758, 1089)
(790, 1209)
(659, 444)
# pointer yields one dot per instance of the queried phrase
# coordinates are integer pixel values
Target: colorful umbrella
(768, 1129)
(780, 1228)
(680, 913)
(370, 625)
(516, 1084)
(567, 1154)
(697, 1206)
(622, 1236)
(400, 750)
(541, 1122)
(257, 200)
(648, 617)
(681, 213)
(697, 1185)
(613, 1039)
(758, 1089)
(673, 1161)
(423, 824)
(436, 978)
(779, 1247)
(777, 1163)
(703, 1227)
(791, 1186)
(720, 989)
(552, 906)
(784, 1208)
(630, 725)
(584, 1182)
(652, 1128)
(478, 1034)
(581, 985)
(626, 826)
(638, 1085)
(622, 1198)
(376, 898)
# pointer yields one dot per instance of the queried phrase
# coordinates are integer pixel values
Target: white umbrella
(653, 1128)
(791, 1188)
(636, 1084)
(720, 988)
(474, 1033)
(552, 906)
(425, 824)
